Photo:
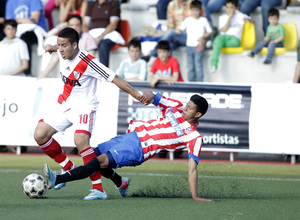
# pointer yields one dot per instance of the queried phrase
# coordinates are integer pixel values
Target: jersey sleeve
(194, 149)
(163, 102)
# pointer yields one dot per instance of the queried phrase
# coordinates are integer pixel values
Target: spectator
(274, 37)
(29, 15)
(248, 6)
(198, 30)
(133, 68)
(297, 70)
(231, 26)
(86, 42)
(2, 18)
(105, 17)
(50, 6)
(161, 9)
(178, 10)
(14, 57)
(165, 68)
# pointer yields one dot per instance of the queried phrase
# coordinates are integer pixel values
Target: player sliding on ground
(174, 130)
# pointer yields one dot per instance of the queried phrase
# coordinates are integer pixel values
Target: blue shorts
(125, 149)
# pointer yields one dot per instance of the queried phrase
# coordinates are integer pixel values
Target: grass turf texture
(158, 190)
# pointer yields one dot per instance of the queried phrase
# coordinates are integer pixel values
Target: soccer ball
(34, 186)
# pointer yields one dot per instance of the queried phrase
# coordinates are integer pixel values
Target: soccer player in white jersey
(77, 105)
(174, 130)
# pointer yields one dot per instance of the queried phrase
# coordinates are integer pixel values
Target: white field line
(173, 175)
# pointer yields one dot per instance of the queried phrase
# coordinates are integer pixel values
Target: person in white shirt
(198, 30)
(231, 26)
(14, 56)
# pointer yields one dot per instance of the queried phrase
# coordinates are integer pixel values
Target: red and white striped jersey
(170, 131)
(80, 77)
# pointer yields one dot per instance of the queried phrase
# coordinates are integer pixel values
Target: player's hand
(198, 199)
(147, 98)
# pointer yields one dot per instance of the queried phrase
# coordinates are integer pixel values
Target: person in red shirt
(165, 68)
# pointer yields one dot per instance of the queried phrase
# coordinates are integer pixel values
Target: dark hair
(196, 4)
(273, 12)
(135, 42)
(69, 33)
(163, 45)
(234, 2)
(11, 22)
(75, 16)
(200, 102)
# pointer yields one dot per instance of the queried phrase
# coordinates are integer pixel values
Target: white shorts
(82, 118)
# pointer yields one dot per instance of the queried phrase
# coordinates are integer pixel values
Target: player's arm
(126, 87)
(193, 180)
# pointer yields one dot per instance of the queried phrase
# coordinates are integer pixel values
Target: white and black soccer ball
(34, 186)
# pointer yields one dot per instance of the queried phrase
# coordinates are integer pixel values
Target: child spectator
(198, 30)
(165, 68)
(274, 36)
(133, 68)
(14, 56)
(231, 26)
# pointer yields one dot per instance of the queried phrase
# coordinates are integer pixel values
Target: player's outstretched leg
(124, 187)
(61, 185)
(50, 176)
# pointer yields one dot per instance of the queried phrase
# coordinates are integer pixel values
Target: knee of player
(40, 136)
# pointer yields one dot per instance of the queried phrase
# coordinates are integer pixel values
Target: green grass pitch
(158, 190)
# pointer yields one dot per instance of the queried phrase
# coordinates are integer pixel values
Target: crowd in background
(29, 22)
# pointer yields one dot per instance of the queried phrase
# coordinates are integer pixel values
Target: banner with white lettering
(225, 125)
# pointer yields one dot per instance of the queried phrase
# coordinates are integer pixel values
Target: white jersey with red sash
(169, 132)
(80, 77)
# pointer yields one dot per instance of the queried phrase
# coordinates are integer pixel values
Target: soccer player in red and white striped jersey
(174, 130)
(77, 105)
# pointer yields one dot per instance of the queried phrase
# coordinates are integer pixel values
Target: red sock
(87, 155)
(53, 150)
